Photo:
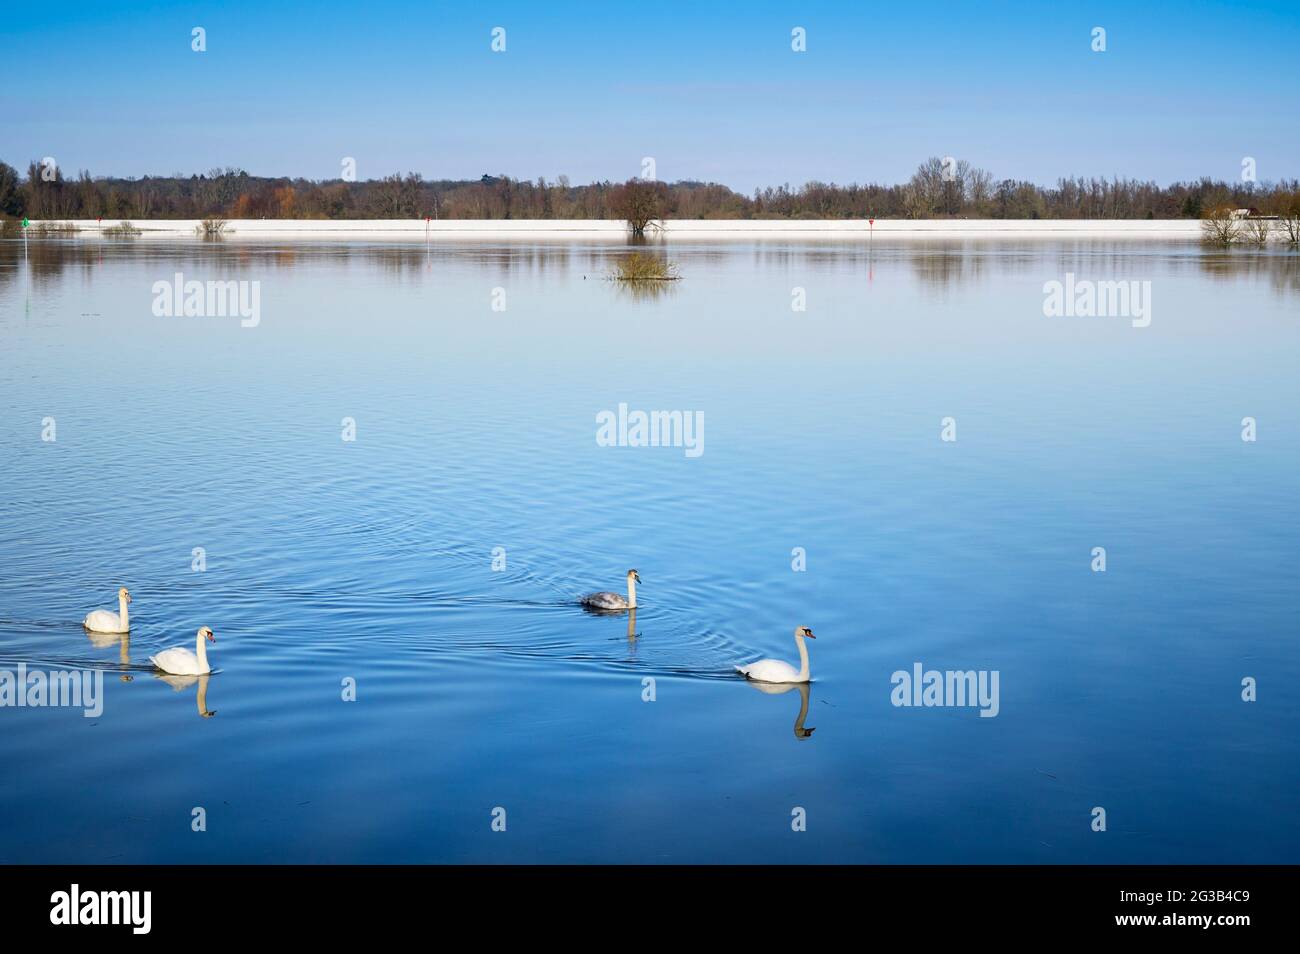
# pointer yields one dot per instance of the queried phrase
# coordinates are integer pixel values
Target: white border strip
(609, 229)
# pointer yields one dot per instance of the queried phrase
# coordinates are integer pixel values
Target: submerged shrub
(1221, 226)
(211, 228)
(53, 228)
(642, 267)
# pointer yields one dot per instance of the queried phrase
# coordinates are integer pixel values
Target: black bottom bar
(330, 903)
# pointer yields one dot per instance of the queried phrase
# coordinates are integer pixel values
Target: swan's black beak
(808, 633)
(212, 637)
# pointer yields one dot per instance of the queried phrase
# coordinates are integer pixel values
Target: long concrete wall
(683, 229)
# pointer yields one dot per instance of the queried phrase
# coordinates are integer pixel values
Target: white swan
(776, 670)
(612, 601)
(106, 621)
(181, 662)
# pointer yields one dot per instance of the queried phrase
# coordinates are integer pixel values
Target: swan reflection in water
(776, 689)
(181, 683)
(122, 641)
(632, 635)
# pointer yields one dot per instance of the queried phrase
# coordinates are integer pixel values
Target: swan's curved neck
(121, 604)
(201, 651)
(803, 658)
(631, 592)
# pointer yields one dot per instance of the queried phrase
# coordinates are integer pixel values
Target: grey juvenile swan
(613, 601)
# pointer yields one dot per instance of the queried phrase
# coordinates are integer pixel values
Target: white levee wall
(683, 229)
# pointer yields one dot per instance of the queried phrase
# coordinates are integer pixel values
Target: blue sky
(711, 91)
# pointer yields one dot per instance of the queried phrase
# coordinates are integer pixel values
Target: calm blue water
(479, 689)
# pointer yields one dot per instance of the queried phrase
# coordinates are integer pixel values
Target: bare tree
(916, 205)
(395, 197)
(1220, 226)
(979, 189)
(926, 188)
(639, 203)
(1286, 205)
(11, 200)
(953, 185)
(1258, 230)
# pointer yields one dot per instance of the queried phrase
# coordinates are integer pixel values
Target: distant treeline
(939, 189)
